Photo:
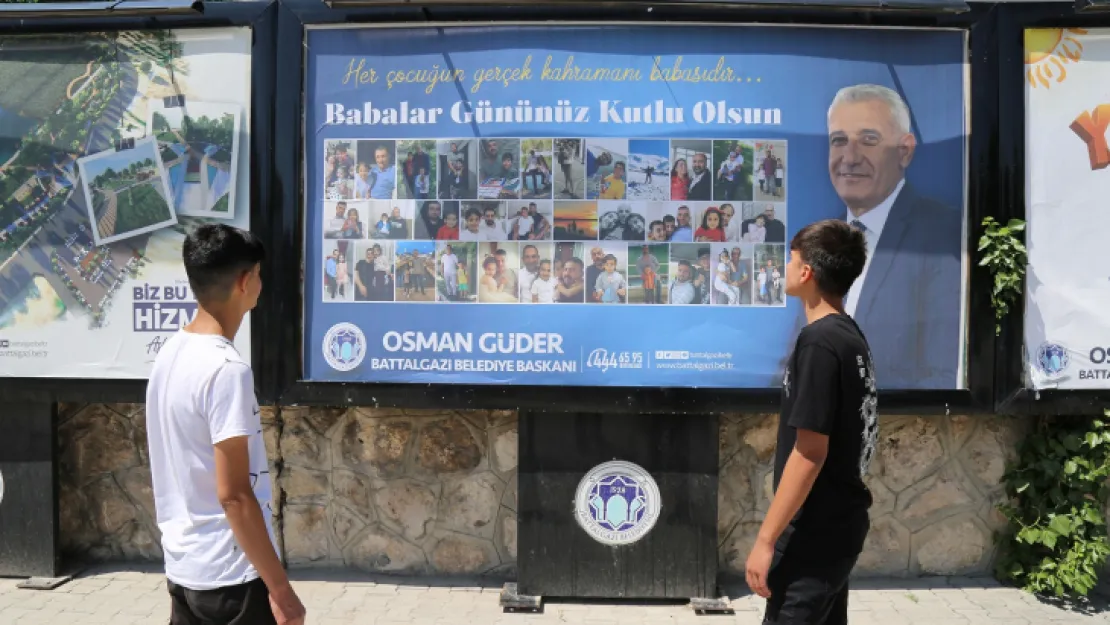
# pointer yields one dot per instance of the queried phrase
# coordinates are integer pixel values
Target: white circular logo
(344, 346)
(617, 503)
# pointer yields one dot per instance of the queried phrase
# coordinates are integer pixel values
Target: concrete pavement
(131, 594)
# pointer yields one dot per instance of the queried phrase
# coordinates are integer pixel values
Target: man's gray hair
(870, 93)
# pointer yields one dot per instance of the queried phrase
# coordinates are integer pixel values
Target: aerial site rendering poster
(112, 147)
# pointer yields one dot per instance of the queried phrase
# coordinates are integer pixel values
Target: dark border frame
(261, 17)
(982, 196)
(1013, 398)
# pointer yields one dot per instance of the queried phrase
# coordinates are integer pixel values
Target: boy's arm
(816, 391)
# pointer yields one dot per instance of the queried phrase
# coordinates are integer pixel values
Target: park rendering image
(198, 146)
(71, 98)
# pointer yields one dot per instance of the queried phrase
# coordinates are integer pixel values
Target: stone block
(96, 441)
(110, 507)
(909, 450)
(734, 554)
(302, 445)
(505, 540)
(508, 498)
(503, 442)
(762, 435)
(989, 449)
(379, 551)
(470, 505)
(956, 546)
(355, 491)
(455, 554)
(886, 551)
(407, 506)
(448, 446)
(941, 495)
(345, 524)
(734, 492)
(375, 446)
(305, 532)
(882, 500)
(303, 485)
(138, 485)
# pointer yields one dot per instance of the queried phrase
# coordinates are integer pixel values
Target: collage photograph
(558, 220)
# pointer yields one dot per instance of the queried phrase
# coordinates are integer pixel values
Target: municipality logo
(1052, 359)
(344, 346)
(617, 503)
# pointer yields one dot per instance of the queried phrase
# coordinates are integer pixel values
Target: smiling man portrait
(907, 300)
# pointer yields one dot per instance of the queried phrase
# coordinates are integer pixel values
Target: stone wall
(434, 492)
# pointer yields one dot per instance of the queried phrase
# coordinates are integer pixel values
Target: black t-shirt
(398, 229)
(829, 388)
(365, 271)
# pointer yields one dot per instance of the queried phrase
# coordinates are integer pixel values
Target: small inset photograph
(498, 169)
(416, 169)
(339, 266)
(391, 220)
(607, 278)
(499, 280)
(770, 263)
(437, 220)
(376, 171)
(570, 270)
(414, 279)
(458, 177)
(576, 221)
(606, 168)
(570, 173)
(649, 169)
(621, 221)
(648, 268)
(345, 219)
(339, 169)
(732, 180)
(126, 193)
(691, 274)
(373, 271)
(199, 144)
(481, 221)
(456, 266)
(732, 274)
(663, 218)
(711, 224)
(529, 220)
(691, 178)
(535, 169)
(770, 167)
(537, 285)
(762, 222)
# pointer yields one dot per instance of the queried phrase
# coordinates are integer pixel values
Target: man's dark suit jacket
(909, 307)
(701, 191)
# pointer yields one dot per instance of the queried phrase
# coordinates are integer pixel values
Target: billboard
(112, 145)
(1067, 331)
(612, 205)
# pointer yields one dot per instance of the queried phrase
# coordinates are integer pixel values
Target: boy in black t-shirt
(818, 520)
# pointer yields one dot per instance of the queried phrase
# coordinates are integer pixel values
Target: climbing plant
(1003, 253)
(1056, 541)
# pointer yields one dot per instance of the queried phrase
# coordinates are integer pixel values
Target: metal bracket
(702, 606)
(511, 601)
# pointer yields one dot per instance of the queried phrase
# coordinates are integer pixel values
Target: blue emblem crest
(1052, 359)
(617, 503)
(344, 346)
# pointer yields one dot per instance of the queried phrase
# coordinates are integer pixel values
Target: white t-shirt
(450, 264)
(480, 236)
(525, 279)
(544, 289)
(496, 232)
(201, 393)
(524, 225)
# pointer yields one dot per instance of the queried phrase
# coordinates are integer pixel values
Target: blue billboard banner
(613, 206)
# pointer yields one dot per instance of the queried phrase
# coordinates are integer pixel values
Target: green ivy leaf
(1061, 525)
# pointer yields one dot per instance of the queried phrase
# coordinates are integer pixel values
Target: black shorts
(808, 589)
(242, 604)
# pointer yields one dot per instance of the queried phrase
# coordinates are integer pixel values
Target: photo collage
(527, 220)
(181, 163)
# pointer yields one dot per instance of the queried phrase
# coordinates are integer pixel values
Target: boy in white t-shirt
(212, 489)
(524, 223)
(543, 287)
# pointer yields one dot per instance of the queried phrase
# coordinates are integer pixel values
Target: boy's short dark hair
(609, 257)
(835, 250)
(215, 256)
